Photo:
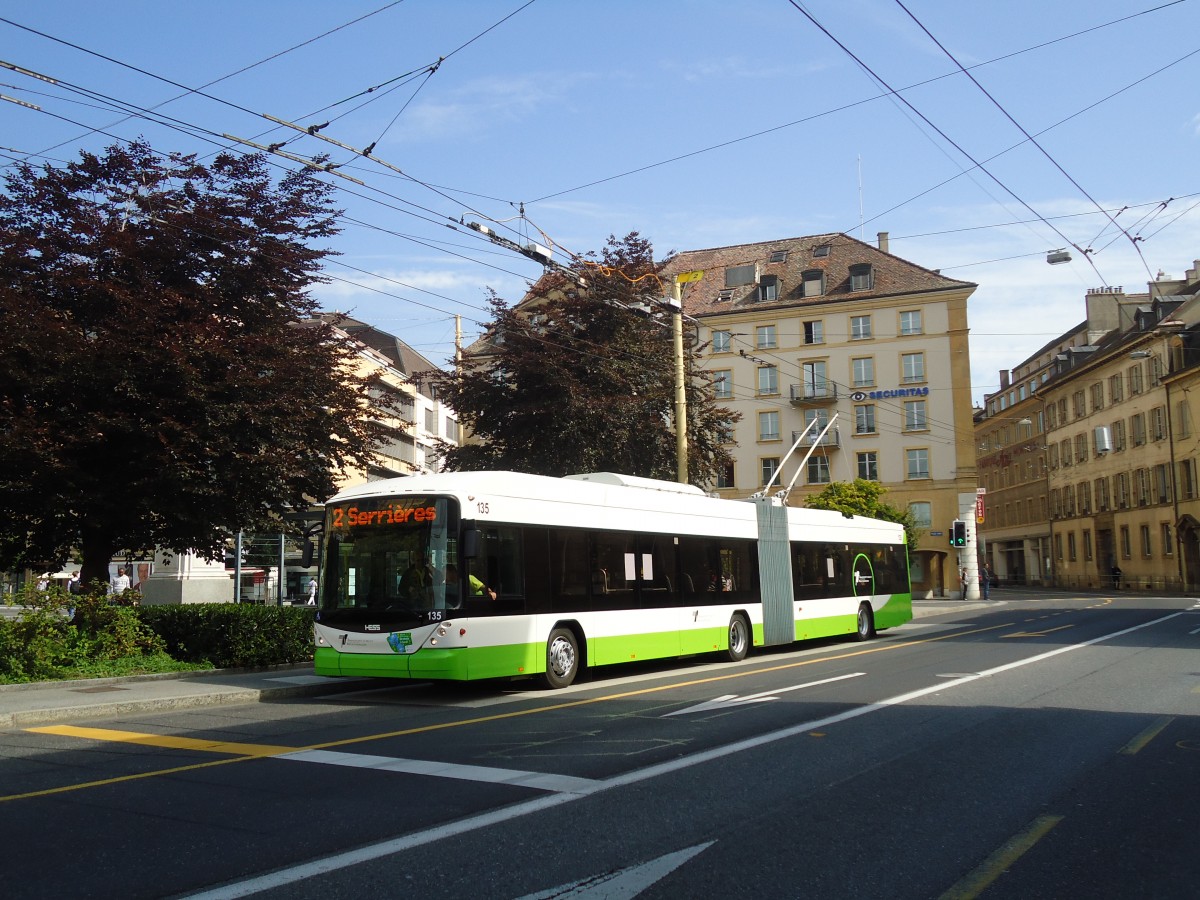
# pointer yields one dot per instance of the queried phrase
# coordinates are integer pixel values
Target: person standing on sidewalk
(985, 581)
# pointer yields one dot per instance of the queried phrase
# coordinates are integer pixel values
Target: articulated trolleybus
(467, 575)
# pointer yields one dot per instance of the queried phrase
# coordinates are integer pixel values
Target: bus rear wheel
(562, 658)
(866, 622)
(739, 638)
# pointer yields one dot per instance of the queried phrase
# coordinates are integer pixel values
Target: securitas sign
(860, 396)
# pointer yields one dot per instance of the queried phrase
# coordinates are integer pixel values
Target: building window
(764, 337)
(1097, 396)
(1084, 494)
(922, 513)
(1158, 423)
(722, 382)
(914, 367)
(1058, 547)
(860, 328)
(1126, 546)
(1118, 435)
(431, 420)
(1137, 428)
(768, 426)
(812, 283)
(1144, 534)
(910, 322)
(914, 415)
(868, 465)
(725, 475)
(1168, 545)
(818, 470)
(769, 466)
(1116, 392)
(814, 332)
(721, 341)
(778, 256)
(1101, 486)
(917, 463)
(1064, 457)
(737, 276)
(864, 419)
(1087, 545)
(1135, 380)
(1081, 447)
(725, 432)
(1162, 483)
(768, 380)
(862, 278)
(820, 251)
(815, 380)
(863, 371)
(1187, 479)
(1079, 404)
(768, 288)
(1071, 555)
(1183, 419)
(1121, 490)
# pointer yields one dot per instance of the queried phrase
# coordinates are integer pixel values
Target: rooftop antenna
(861, 223)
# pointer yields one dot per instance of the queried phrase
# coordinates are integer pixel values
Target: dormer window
(812, 283)
(778, 256)
(862, 277)
(768, 288)
(821, 251)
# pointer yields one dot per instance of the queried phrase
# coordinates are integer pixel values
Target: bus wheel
(866, 622)
(739, 638)
(562, 658)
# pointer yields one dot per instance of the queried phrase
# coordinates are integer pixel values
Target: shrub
(233, 635)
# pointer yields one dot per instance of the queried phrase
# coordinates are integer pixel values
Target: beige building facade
(1113, 429)
(826, 330)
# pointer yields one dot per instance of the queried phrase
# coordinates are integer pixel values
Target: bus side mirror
(306, 553)
(470, 543)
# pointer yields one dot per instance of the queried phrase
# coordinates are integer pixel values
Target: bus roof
(604, 500)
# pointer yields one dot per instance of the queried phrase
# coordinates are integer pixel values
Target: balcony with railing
(814, 392)
(831, 438)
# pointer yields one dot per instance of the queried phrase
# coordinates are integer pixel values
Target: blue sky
(697, 124)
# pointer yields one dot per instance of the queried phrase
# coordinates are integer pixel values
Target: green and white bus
(468, 575)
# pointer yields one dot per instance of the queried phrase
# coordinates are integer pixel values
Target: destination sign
(391, 514)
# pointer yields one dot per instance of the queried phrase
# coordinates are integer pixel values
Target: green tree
(865, 498)
(572, 380)
(156, 386)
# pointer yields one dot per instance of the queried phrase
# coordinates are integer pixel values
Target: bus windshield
(397, 554)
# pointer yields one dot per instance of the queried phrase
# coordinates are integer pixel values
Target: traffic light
(958, 533)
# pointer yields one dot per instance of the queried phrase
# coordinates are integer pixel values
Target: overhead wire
(807, 119)
(1029, 137)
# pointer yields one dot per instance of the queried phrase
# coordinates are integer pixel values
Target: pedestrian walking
(312, 592)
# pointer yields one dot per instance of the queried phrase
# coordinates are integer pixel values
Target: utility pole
(681, 447)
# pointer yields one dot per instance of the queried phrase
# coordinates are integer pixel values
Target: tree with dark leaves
(572, 379)
(157, 385)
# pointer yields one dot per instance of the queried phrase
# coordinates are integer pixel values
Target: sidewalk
(44, 702)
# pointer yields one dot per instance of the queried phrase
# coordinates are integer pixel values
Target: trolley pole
(681, 447)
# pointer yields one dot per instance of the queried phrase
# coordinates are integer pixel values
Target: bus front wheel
(866, 622)
(739, 638)
(562, 658)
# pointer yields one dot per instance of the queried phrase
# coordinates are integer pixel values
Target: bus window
(613, 570)
(657, 572)
(499, 569)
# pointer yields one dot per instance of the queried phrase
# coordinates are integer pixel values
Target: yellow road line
(200, 744)
(168, 741)
(977, 881)
(1150, 733)
(1042, 633)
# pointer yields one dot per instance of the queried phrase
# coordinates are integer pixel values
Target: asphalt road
(1036, 748)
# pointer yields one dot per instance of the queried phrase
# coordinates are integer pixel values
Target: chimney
(1004, 382)
(883, 241)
